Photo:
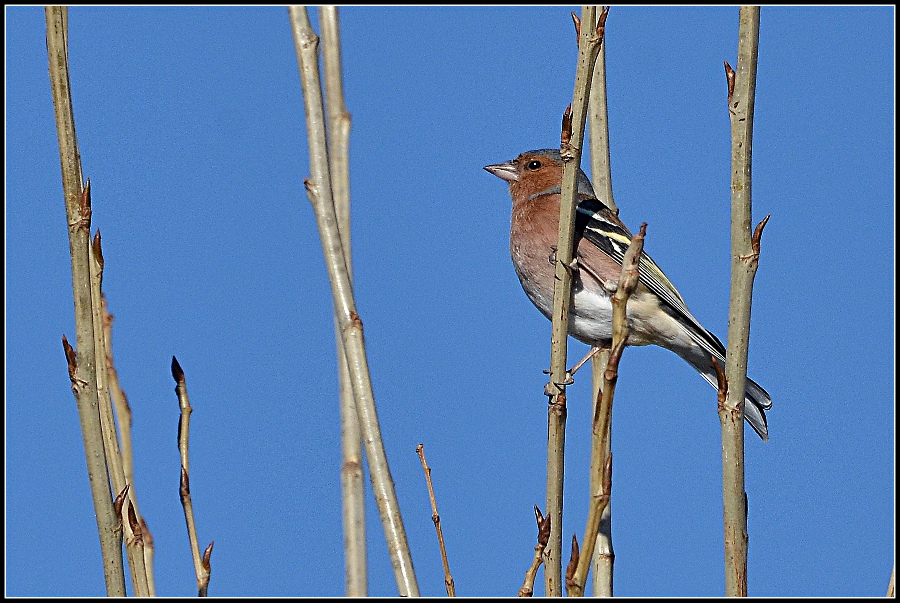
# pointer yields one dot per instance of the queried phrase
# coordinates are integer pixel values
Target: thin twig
(543, 526)
(448, 578)
(134, 542)
(123, 423)
(201, 570)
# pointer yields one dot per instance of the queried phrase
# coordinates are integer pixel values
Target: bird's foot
(569, 376)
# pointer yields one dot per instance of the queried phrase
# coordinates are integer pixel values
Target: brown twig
(448, 578)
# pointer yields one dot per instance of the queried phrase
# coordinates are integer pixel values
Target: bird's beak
(505, 171)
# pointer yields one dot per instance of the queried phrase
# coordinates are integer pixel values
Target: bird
(656, 312)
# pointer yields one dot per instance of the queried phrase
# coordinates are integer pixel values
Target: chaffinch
(656, 312)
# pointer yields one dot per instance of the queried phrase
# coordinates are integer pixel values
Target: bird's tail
(756, 402)
(756, 399)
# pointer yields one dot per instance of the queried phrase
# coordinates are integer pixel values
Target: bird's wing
(596, 223)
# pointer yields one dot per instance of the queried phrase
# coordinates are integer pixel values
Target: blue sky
(190, 123)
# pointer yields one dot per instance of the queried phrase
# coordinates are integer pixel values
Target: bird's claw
(571, 266)
(551, 388)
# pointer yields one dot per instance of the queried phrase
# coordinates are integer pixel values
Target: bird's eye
(534, 164)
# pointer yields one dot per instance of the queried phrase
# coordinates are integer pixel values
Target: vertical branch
(601, 176)
(184, 434)
(319, 191)
(134, 541)
(352, 490)
(570, 149)
(201, 564)
(601, 444)
(744, 261)
(628, 280)
(83, 369)
(123, 416)
(598, 125)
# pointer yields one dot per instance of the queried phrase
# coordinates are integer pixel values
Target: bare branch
(570, 150)
(319, 191)
(184, 489)
(436, 519)
(83, 374)
(741, 100)
(628, 280)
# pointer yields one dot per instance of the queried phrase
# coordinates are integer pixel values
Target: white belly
(591, 317)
